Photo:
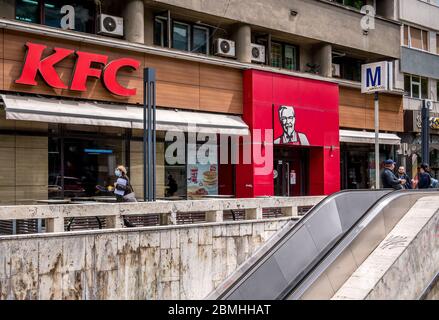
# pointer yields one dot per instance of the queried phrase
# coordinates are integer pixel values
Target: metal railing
(73, 217)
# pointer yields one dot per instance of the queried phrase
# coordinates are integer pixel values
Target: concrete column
(114, 222)
(55, 225)
(290, 212)
(243, 39)
(214, 216)
(134, 15)
(253, 214)
(323, 57)
(7, 9)
(149, 27)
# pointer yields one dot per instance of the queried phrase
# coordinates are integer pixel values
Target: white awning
(352, 136)
(100, 114)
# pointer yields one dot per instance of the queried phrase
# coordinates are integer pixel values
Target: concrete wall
(419, 62)
(7, 9)
(316, 20)
(420, 13)
(404, 263)
(185, 262)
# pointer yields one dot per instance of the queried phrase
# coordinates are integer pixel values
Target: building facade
(285, 73)
(419, 66)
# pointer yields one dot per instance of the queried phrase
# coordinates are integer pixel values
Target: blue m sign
(373, 80)
(375, 77)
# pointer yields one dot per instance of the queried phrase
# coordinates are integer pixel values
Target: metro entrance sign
(375, 77)
(35, 63)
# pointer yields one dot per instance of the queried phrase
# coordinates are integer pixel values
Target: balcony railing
(28, 219)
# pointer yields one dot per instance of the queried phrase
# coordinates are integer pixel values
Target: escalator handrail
(333, 253)
(261, 254)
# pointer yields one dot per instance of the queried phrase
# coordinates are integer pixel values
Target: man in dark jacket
(388, 178)
(404, 176)
(424, 177)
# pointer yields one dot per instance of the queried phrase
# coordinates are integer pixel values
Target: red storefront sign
(83, 69)
(302, 114)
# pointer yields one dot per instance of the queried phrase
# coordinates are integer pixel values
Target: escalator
(282, 262)
(312, 258)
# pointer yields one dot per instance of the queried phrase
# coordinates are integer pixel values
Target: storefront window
(200, 40)
(180, 36)
(84, 166)
(74, 15)
(358, 164)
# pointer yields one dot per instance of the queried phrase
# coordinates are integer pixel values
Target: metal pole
(377, 142)
(154, 137)
(145, 136)
(425, 133)
(149, 136)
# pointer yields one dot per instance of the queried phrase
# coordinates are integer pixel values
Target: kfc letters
(83, 69)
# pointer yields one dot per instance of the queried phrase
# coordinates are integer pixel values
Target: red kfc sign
(83, 69)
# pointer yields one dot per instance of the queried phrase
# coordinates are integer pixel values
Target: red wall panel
(315, 105)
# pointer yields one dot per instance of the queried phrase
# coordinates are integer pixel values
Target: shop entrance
(291, 171)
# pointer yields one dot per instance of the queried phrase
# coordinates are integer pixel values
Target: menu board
(202, 179)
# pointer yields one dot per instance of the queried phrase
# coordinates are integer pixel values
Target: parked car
(73, 187)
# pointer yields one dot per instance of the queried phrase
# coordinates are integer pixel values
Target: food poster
(202, 179)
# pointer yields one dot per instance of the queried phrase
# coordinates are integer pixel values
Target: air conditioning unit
(258, 53)
(225, 48)
(335, 70)
(110, 25)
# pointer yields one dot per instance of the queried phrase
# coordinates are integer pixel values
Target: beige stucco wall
(180, 262)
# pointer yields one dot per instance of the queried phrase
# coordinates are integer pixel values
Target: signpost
(426, 106)
(374, 79)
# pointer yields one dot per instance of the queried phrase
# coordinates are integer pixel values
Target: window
(276, 55)
(416, 38)
(186, 37)
(161, 31)
(28, 11)
(350, 67)
(200, 40)
(357, 4)
(284, 56)
(180, 36)
(58, 14)
(290, 57)
(416, 87)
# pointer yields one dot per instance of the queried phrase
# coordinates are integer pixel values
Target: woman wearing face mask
(123, 190)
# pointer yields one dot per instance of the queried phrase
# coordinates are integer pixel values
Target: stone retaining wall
(169, 262)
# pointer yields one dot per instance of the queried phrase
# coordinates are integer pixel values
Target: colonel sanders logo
(287, 118)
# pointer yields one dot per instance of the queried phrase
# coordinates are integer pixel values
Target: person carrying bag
(123, 190)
